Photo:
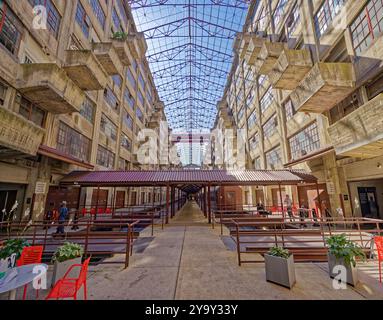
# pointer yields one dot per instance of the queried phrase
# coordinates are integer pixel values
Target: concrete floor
(188, 260)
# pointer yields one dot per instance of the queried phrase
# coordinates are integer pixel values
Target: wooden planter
(60, 268)
(280, 270)
(352, 274)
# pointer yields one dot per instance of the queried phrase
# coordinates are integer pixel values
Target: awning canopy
(181, 178)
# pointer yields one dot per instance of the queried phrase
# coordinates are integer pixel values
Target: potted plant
(343, 252)
(10, 253)
(119, 35)
(65, 256)
(280, 269)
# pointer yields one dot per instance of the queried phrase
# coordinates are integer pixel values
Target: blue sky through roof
(190, 55)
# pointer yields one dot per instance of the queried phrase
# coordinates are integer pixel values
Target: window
(250, 98)
(32, 112)
(73, 143)
(262, 20)
(129, 99)
(126, 143)
(105, 157)
(375, 87)
(3, 91)
(326, 14)
(251, 122)
(99, 13)
(270, 127)
(9, 28)
(121, 7)
(131, 78)
(279, 12)
(346, 106)
(83, 19)
(254, 141)
(274, 158)
(128, 120)
(139, 114)
(257, 164)
(117, 80)
(88, 110)
(294, 20)
(53, 16)
(367, 26)
(267, 99)
(141, 80)
(240, 113)
(304, 142)
(140, 97)
(289, 109)
(262, 82)
(108, 127)
(116, 21)
(111, 99)
(123, 164)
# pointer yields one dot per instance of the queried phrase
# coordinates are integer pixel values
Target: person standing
(288, 204)
(63, 214)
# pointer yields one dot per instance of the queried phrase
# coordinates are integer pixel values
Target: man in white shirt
(288, 204)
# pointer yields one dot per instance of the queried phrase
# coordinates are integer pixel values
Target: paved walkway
(188, 260)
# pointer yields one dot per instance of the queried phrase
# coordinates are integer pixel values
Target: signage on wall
(330, 187)
(40, 187)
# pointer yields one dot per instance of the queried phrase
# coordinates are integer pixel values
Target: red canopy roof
(182, 177)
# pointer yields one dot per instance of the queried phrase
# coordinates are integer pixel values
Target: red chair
(69, 287)
(100, 210)
(379, 247)
(84, 211)
(108, 211)
(30, 255)
(93, 211)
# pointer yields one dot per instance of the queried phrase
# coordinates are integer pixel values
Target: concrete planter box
(280, 270)
(352, 273)
(60, 268)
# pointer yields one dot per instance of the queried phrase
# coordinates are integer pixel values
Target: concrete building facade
(75, 90)
(307, 87)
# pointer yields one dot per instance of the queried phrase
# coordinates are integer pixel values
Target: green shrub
(279, 252)
(342, 248)
(68, 251)
(13, 246)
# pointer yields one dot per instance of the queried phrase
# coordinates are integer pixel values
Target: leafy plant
(279, 252)
(342, 248)
(120, 35)
(68, 251)
(13, 246)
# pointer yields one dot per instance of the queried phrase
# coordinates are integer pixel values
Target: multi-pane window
(262, 82)
(289, 109)
(88, 110)
(105, 157)
(274, 158)
(116, 21)
(279, 12)
(83, 19)
(254, 141)
(3, 91)
(262, 20)
(267, 99)
(139, 114)
(126, 143)
(140, 97)
(128, 120)
(9, 28)
(32, 112)
(270, 127)
(295, 19)
(131, 79)
(108, 127)
(252, 120)
(240, 113)
(304, 142)
(53, 16)
(367, 26)
(129, 99)
(111, 99)
(122, 11)
(73, 143)
(117, 80)
(98, 11)
(250, 98)
(326, 13)
(141, 80)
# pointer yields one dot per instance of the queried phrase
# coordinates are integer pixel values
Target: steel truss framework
(190, 54)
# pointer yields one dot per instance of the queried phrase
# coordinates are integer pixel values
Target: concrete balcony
(123, 51)
(323, 87)
(19, 135)
(268, 56)
(253, 50)
(84, 69)
(290, 68)
(137, 45)
(49, 86)
(360, 134)
(108, 57)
